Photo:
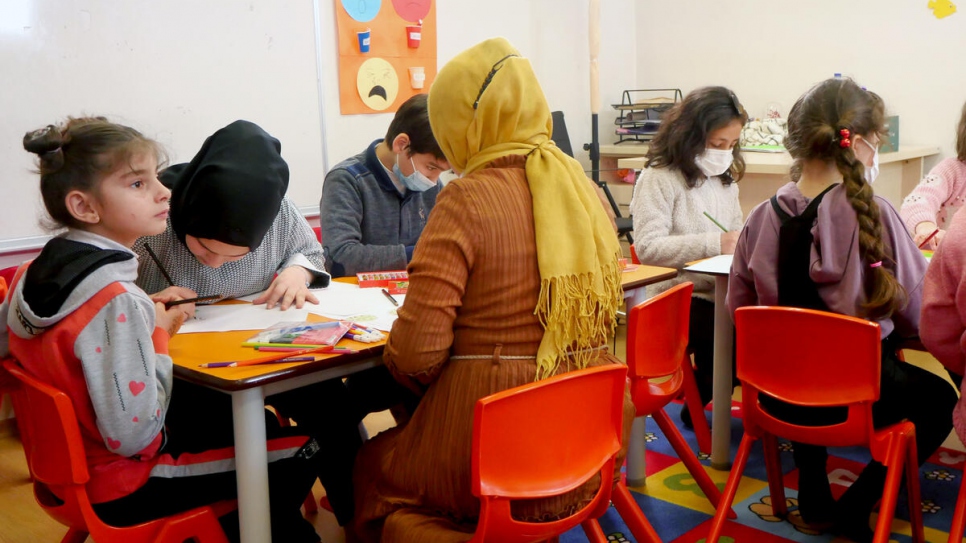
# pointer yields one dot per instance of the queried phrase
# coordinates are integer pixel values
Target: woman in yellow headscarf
(515, 278)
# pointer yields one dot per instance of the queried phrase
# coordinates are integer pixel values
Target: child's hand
(291, 285)
(923, 231)
(728, 242)
(170, 320)
(172, 294)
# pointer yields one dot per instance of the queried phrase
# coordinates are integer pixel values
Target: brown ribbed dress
(474, 284)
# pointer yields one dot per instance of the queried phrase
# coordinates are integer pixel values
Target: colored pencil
(925, 241)
(157, 261)
(723, 229)
(269, 358)
(213, 297)
(391, 299)
(280, 361)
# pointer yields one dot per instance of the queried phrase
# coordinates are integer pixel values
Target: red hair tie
(845, 141)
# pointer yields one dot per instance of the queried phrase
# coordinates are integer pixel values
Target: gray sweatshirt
(367, 225)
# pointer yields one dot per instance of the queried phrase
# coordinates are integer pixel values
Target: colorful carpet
(677, 509)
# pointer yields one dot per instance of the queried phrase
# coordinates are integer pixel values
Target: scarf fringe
(578, 312)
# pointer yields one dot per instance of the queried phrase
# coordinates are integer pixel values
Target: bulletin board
(388, 74)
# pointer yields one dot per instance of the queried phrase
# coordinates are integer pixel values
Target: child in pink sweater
(936, 198)
(942, 326)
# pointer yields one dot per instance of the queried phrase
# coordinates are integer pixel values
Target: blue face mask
(416, 181)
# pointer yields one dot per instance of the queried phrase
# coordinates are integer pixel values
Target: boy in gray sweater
(375, 204)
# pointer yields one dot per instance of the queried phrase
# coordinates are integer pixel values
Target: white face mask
(871, 172)
(415, 181)
(714, 162)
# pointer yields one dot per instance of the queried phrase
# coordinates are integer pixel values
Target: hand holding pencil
(728, 239)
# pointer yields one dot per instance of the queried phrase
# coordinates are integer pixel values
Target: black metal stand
(625, 226)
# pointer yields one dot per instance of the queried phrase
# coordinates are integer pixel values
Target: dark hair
(77, 155)
(685, 128)
(816, 131)
(961, 136)
(412, 119)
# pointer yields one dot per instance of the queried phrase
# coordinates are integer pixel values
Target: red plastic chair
(318, 232)
(7, 275)
(817, 359)
(658, 367)
(959, 517)
(634, 259)
(541, 440)
(58, 466)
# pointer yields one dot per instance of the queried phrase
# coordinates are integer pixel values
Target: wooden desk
(248, 387)
(633, 283)
(899, 173)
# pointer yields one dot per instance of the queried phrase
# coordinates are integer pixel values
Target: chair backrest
(812, 359)
(657, 333)
(318, 233)
(51, 436)
(560, 135)
(7, 274)
(545, 439)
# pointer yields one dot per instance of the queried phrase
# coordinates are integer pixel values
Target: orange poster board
(385, 54)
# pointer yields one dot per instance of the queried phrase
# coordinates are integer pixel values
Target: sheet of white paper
(367, 306)
(719, 265)
(226, 318)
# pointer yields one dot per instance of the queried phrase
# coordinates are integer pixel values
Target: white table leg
(251, 465)
(637, 447)
(721, 414)
(636, 470)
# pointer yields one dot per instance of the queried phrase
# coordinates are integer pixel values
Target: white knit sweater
(670, 228)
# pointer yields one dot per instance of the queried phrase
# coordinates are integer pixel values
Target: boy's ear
(80, 206)
(400, 143)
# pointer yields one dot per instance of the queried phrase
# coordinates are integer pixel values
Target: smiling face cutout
(377, 84)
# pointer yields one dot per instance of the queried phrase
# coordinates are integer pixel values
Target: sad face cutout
(377, 84)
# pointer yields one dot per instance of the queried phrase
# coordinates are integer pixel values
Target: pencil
(279, 361)
(269, 358)
(157, 261)
(719, 225)
(925, 241)
(169, 305)
(391, 299)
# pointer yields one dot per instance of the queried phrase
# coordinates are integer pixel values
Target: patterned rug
(677, 509)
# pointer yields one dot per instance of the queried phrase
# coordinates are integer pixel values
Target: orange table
(634, 281)
(248, 387)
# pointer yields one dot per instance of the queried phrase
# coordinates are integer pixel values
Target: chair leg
(628, 509)
(728, 497)
(959, 516)
(692, 401)
(913, 494)
(895, 461)
(595, 534)
(690, 461)
(74, 535)
(773, 469)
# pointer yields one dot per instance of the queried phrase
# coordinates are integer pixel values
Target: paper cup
(414, 34)
(364, 40)
(417, 77)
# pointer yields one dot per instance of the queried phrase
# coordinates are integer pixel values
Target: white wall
(769, 51)
(178, 78)
(551, 33)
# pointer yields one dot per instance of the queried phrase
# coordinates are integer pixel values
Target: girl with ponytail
(826, 242)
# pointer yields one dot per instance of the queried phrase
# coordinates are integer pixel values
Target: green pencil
(723, 229)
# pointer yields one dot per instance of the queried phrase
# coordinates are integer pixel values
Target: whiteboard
(177, 70)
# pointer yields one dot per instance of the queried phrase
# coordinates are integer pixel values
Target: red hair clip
(845, 141)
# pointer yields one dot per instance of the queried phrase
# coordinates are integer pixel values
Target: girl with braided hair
(826, 242)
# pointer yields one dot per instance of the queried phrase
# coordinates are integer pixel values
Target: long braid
(883, 291)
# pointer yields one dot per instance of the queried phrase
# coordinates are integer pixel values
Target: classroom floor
(22, 520)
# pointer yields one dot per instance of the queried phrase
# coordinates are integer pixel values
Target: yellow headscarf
(485, 104)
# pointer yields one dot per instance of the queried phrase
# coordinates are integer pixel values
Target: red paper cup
(414, 34)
